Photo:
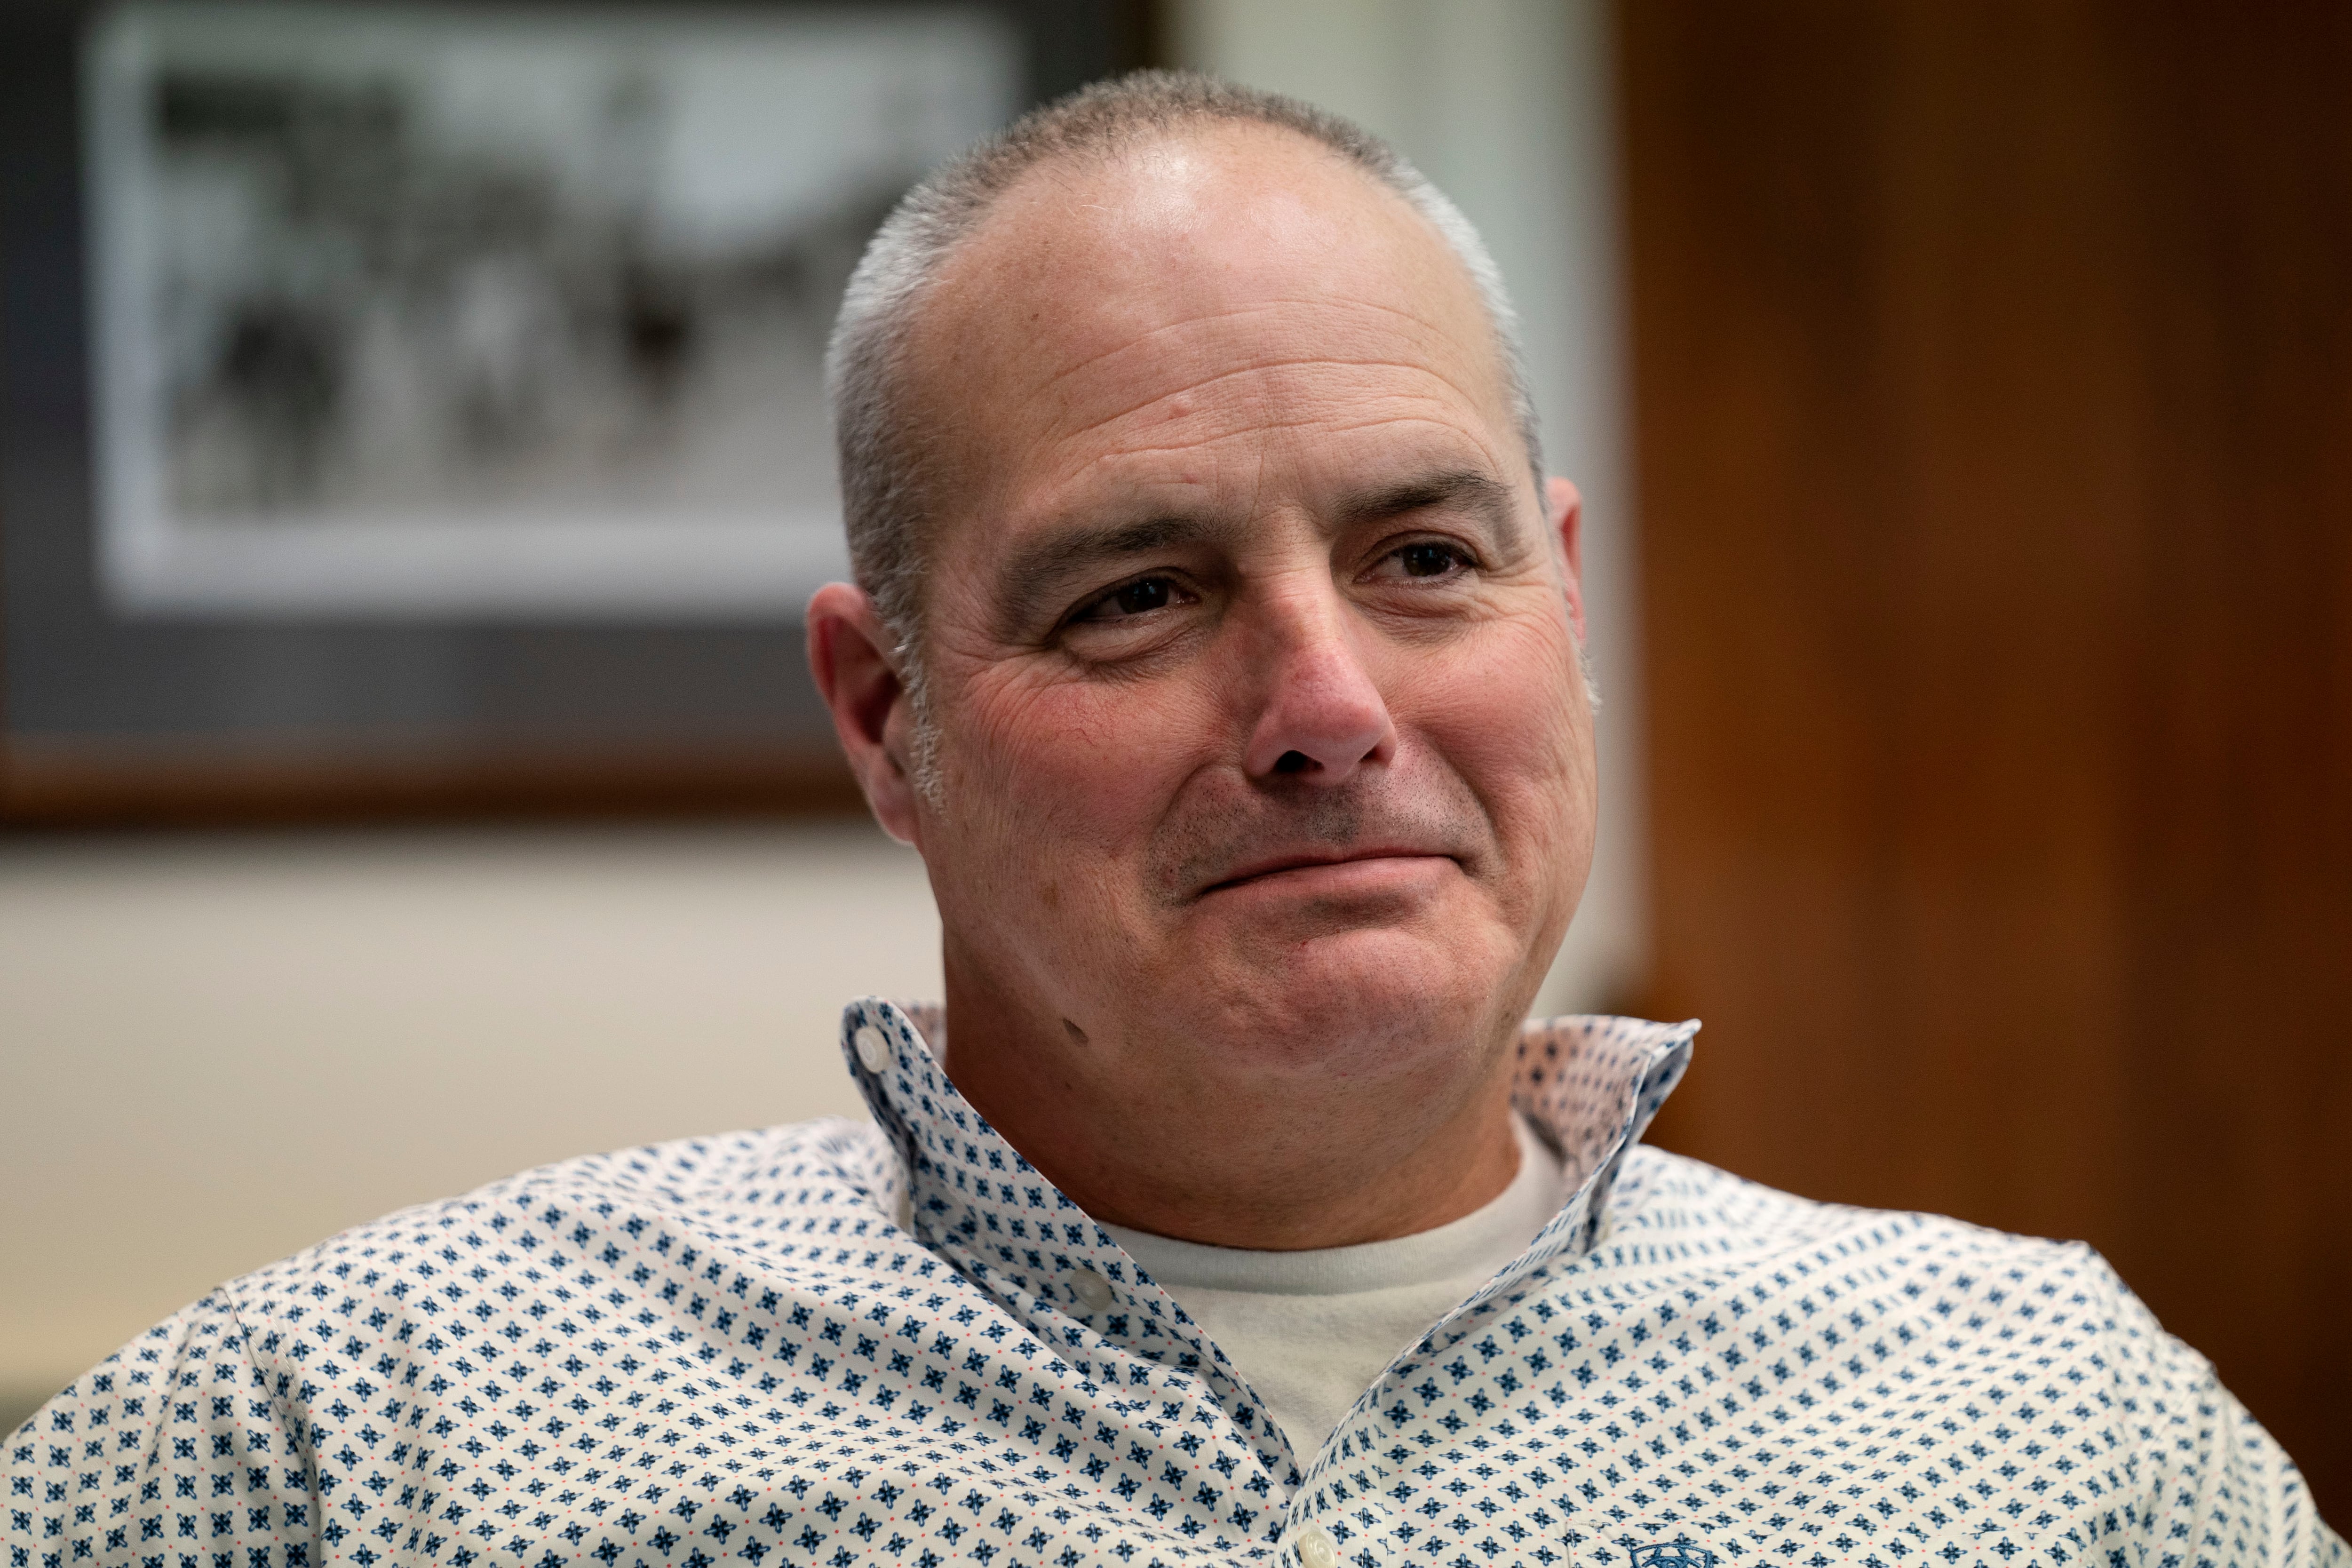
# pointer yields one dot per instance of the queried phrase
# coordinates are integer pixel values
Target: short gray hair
(885, 479)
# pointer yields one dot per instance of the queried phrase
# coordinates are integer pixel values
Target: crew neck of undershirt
(1479, 1242)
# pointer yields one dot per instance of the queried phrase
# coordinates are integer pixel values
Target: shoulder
(1660, 1192)
(831, 1155)
(1965, 1281)
(356, 1373)
(747, 1190)
(1870, 1300)
(1952, 1340)
(741, 1188)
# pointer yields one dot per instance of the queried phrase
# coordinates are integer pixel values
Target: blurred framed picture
(451, 313)
(421, 406)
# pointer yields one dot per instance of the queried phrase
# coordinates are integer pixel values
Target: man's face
(1262, 748)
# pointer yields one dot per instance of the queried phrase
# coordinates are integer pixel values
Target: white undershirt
(1311, 1330)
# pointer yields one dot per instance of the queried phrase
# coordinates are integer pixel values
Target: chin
(1361, 1000)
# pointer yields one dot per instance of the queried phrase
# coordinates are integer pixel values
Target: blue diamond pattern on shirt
(846, 1345)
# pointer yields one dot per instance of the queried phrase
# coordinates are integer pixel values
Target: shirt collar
(1589, 1084)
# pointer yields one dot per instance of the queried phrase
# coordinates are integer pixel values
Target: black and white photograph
(440, 312)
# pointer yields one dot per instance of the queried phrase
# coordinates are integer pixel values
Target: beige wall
(215, 1050)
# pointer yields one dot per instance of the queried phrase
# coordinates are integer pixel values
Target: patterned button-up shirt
(846, 1345)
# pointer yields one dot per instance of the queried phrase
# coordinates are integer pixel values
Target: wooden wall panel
(1994, 411)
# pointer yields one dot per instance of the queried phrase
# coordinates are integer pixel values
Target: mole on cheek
(1076, 1033)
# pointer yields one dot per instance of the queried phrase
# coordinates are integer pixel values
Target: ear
(852, 656)
(1564, 513)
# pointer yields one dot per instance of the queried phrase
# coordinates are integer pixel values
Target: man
(1219, 647)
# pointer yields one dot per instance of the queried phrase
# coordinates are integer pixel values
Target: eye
(1139, 597)
(1428, 558)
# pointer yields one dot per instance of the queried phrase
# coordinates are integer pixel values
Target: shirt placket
(1153, 1378)
(1594, 1101)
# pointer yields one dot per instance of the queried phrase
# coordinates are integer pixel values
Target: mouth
(1320, 866)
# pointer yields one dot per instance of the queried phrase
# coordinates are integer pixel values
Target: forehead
(1200, 289)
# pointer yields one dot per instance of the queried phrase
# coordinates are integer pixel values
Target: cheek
(1067, 769)
(1511, 689)
(1506, 710)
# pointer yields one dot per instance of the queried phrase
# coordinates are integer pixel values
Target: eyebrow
(1033, 574)
(1031, 578)
(1463, 489)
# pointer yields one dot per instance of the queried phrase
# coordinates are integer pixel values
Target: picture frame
(228, 591)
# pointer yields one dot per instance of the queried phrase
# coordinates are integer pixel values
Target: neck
(1168, 1136)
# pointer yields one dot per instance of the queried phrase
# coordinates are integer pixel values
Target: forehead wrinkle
(1261, 427)
(1209, 380)
(1272, 426)
(1427, 329)
(1431, 334)
(1376, 421)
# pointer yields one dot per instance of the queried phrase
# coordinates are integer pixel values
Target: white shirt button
(1315, 1547)
(1091, 1289)
(872, 1048)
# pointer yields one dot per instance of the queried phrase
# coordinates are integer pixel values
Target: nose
(1321, 715)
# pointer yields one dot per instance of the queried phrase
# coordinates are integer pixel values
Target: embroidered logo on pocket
(1670, 1554)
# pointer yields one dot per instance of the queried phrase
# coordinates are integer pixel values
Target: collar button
(1092, 1290)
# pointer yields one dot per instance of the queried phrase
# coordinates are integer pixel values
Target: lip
(1272, 866)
